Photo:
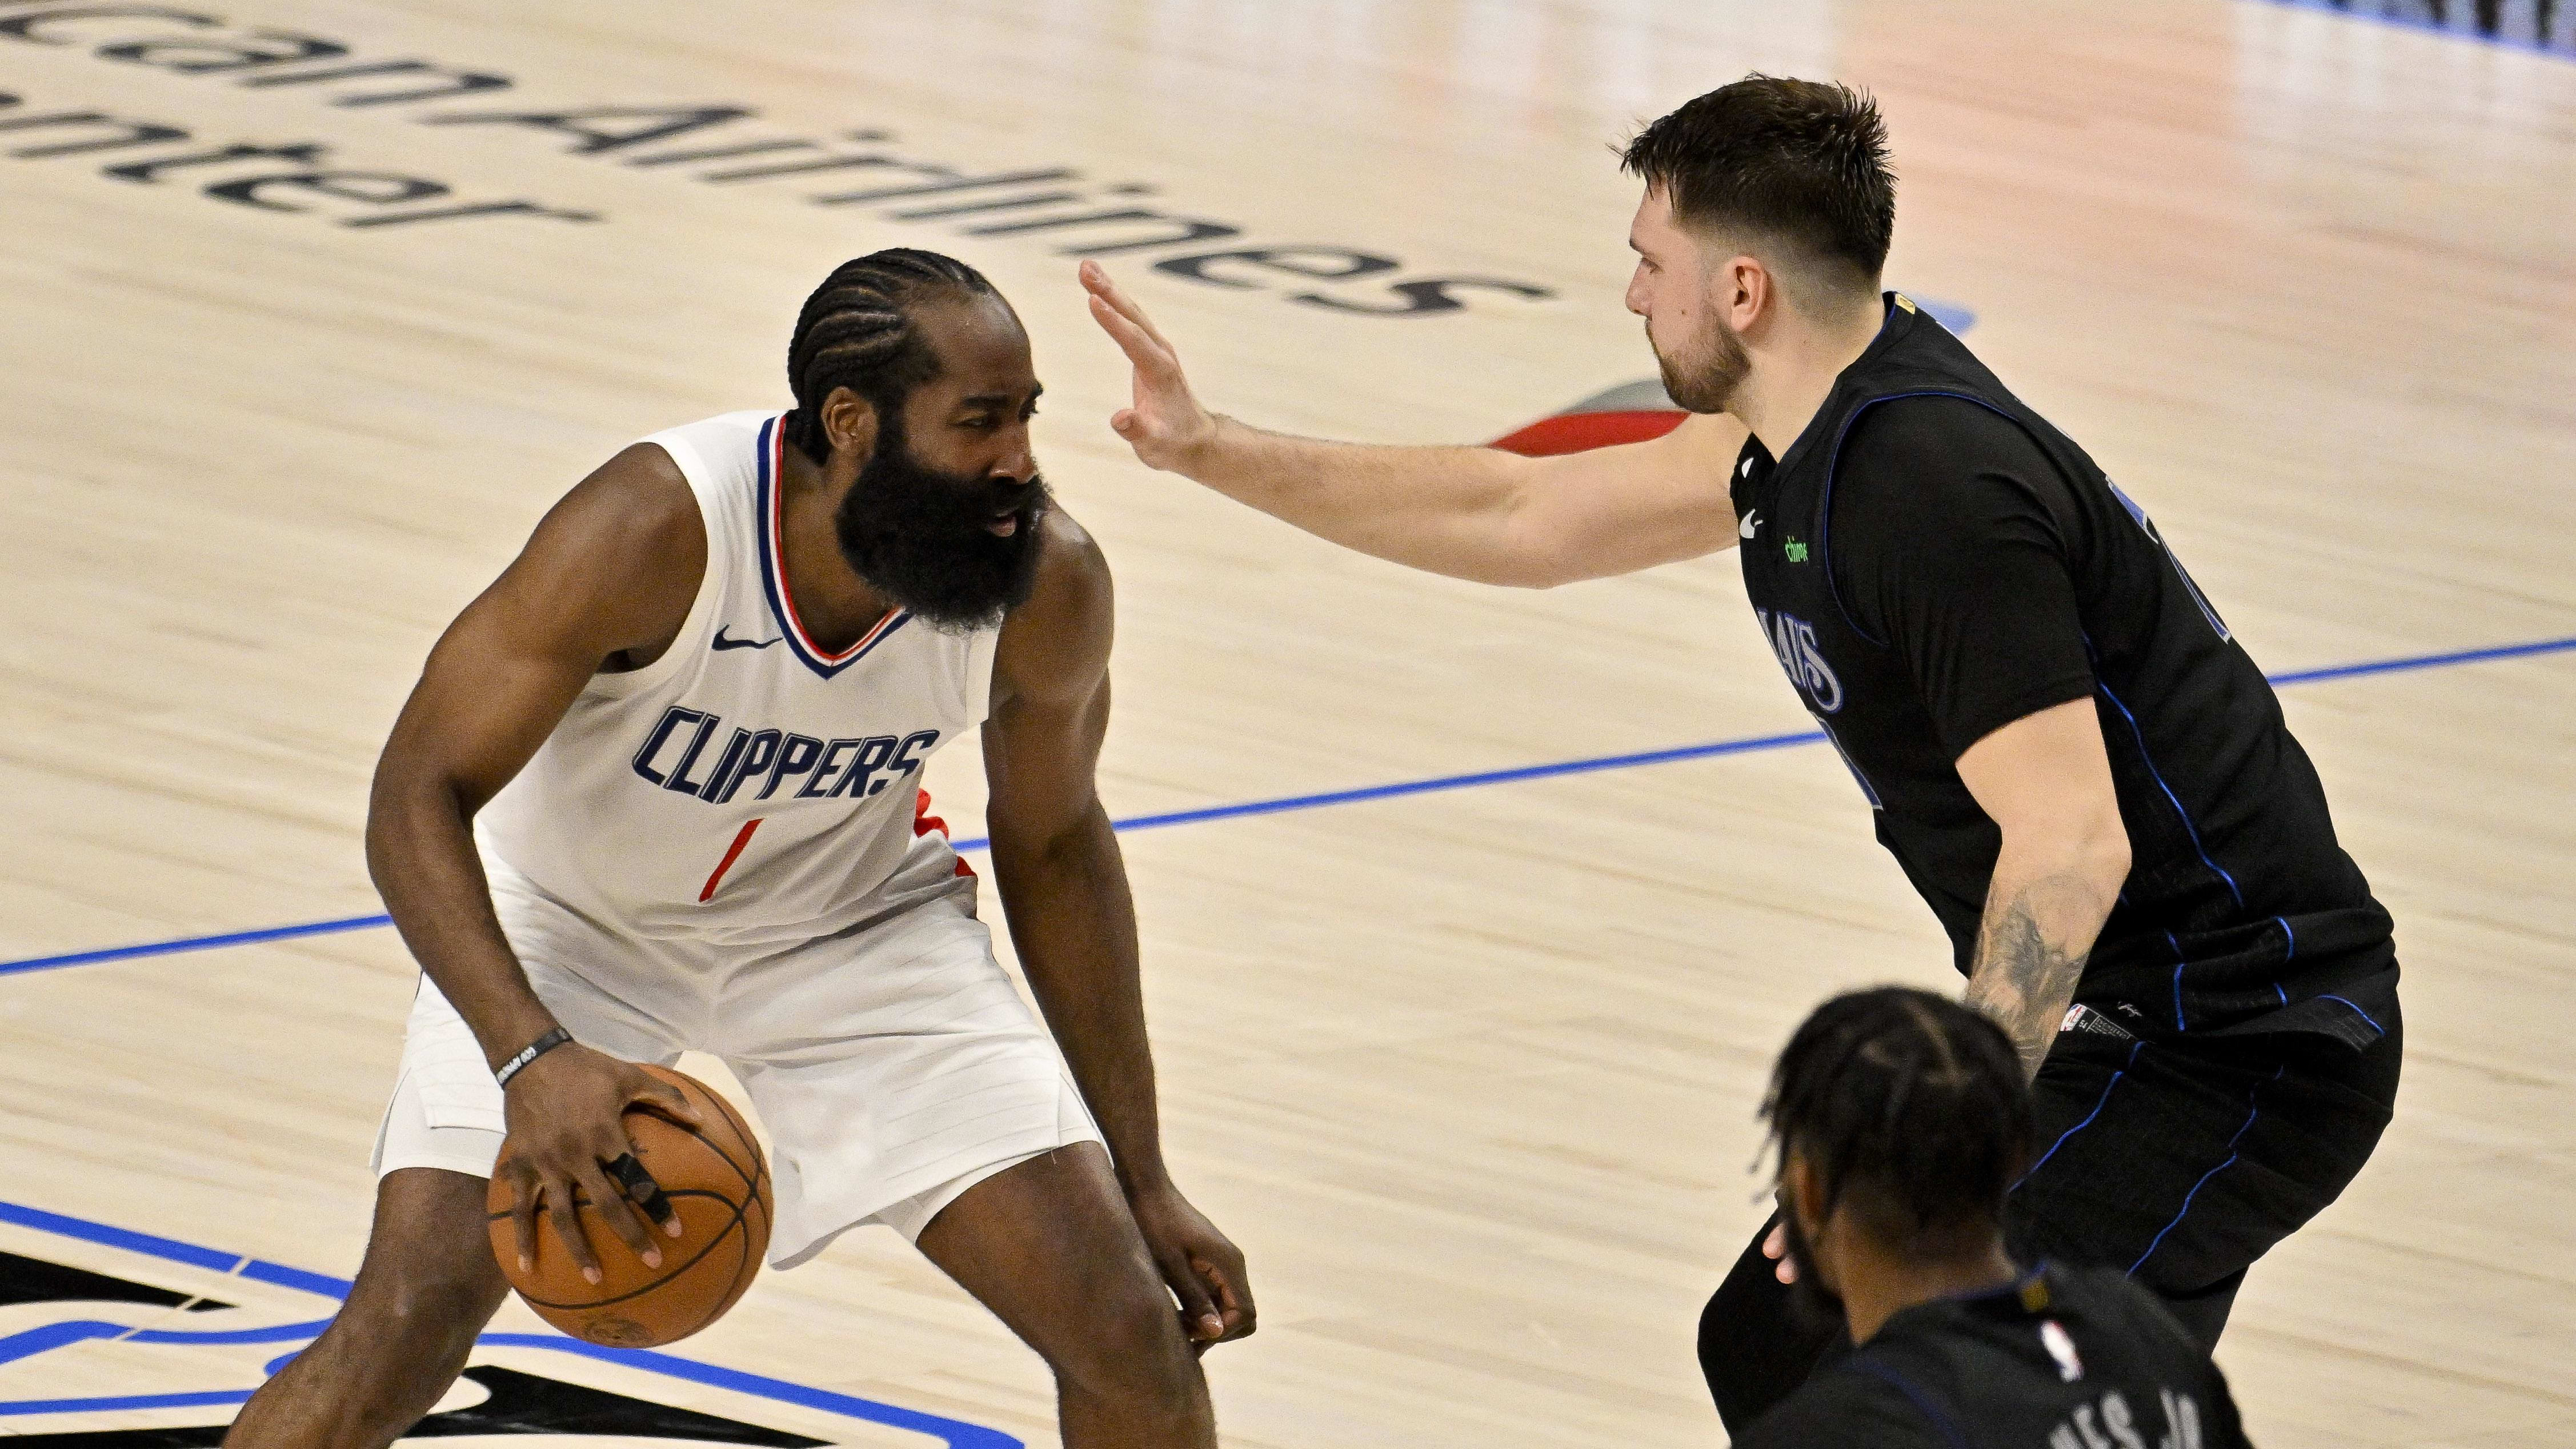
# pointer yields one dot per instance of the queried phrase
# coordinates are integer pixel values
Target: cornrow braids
(1911, 1106)
(856, 332)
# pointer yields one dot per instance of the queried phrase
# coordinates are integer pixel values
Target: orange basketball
(717, 1181)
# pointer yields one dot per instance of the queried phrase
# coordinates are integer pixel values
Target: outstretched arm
(2045, 780)
(1471, 513)
(1064, 887)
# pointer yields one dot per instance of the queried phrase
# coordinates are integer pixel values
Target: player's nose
(1018, 465)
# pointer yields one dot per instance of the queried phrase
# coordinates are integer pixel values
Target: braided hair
(1910, 1107)
(856, 331)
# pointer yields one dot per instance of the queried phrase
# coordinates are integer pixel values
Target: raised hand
(1166, 425)
(565, 1113)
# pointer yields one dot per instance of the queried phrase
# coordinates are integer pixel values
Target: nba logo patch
(2061, 1347)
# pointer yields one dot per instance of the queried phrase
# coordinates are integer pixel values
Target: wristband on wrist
(529, 1053)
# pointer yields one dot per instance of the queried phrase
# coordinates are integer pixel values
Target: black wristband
(529, 1053)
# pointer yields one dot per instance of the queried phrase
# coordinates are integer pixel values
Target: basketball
(717, 1181)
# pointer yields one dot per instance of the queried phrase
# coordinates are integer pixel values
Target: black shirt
(1930, 561)
(1950, 543)
(2065, 1359)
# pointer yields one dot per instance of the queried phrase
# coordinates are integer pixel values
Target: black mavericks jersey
(1931, 561)
(2064, 1359)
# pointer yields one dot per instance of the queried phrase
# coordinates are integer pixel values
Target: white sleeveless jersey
(746, 787)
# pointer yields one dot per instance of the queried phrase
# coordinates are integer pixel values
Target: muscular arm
(611, 569)
(1471, 513)
(1954, 544)
(1064, 889)
(2046, 782)
(607, 578)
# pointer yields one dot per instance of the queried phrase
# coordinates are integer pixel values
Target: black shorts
(2179, 1163)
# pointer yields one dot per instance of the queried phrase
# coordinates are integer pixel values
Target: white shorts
(893, 1063)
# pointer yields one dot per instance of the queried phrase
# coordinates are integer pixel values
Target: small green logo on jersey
(1795, 549)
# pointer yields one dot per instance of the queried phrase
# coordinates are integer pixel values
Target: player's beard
(919, 536)
(1811, 1304)
(1703, 377)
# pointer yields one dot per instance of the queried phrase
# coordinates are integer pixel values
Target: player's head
(1902, 1119)
(913, 382)
(1769, 204)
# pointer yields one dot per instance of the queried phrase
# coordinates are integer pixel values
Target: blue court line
(2428, 27)
(128, 1401)
(2425, 661)
(1284, 804)
(956, 1433)
(198, 943)
(1445, 782)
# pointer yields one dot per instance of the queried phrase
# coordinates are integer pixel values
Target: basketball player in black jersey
(2068, 753)
(1901, 1121)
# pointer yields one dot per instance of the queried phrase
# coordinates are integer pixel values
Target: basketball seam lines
(712, 1244)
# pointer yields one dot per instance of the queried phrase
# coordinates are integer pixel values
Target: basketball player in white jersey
(657, 789)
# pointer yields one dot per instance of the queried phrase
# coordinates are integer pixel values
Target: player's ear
(1745, 286)
(850, 423)
(1802, 1194)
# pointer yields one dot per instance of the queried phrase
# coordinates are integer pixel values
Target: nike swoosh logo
(724, 643)
(1744, 529)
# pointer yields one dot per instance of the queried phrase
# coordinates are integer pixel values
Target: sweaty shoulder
(1840, 1407)
(1057, 643)
(618, 560)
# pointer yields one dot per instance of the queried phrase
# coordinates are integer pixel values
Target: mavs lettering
(676, 756)
(1794, 640)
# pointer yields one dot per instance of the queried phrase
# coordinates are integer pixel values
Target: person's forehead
(976, 339)
(1654, 220)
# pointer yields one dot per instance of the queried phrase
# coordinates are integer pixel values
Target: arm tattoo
(2022, 979)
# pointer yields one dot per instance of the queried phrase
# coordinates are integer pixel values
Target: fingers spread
(563, 1211)
(523, 1218)
(644, 1192)
(610, 1200)
(671, 1102)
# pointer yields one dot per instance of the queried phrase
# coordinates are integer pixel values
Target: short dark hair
(1795, 161)
(856, 332)
(1910, 1107)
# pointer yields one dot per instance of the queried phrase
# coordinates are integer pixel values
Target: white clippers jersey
(746, 787)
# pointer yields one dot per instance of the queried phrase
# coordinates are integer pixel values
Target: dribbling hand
(565, 1129)
(1166, 426)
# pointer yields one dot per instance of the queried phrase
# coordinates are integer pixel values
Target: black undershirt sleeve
(1953, 541)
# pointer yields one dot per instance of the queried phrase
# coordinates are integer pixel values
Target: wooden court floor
(1469, 1073)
